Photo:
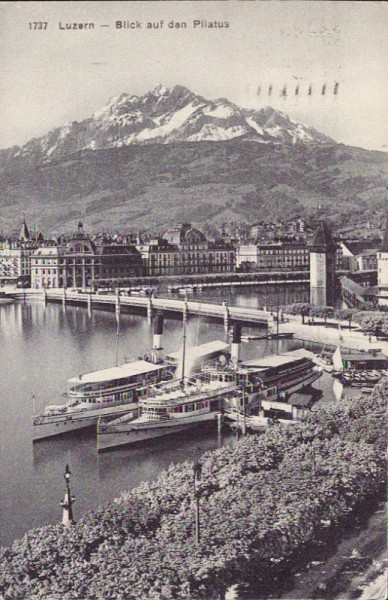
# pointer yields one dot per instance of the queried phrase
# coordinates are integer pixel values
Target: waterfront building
(79, 262)
(382, 270)
(275, 256)
(15, 257)
(184, 250)
(367, 260)
(48, 267)
(322, 249)
(72, 264)
(359, 255)
(345, 359)
(119, 261)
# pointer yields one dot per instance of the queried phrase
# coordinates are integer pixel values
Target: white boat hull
(50, 426)
(131, 433)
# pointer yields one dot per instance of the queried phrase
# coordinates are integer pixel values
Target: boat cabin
(116, 383)
(280, 369)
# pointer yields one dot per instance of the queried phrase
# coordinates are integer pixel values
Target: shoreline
(332, 336)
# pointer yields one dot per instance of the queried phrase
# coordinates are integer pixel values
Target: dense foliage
(260, 502)
(367, 319)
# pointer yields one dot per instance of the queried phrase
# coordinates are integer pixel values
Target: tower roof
(322, 239)
(24, 233)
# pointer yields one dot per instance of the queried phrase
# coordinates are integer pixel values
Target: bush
(260, 502)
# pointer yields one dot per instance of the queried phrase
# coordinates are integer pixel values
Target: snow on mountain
(166, 115)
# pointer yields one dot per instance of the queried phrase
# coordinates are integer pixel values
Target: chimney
(158, 331)
(236, 343)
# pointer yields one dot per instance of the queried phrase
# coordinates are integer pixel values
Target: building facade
(275, 256)
(118, 261)
(184, 250)
(382, 270)
(71, 264)
(79, 263)
(15, 257)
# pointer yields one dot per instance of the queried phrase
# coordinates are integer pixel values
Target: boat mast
(184, 351)
(199, 316)
(117, 336)
(277, 316)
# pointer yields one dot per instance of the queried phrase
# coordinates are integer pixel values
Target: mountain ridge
(162, 116)
(171, 155)
(207, 183)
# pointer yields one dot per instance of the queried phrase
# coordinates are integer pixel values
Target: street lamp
(197, 472)
(68, 501)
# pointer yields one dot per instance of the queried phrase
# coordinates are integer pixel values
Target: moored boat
(170, 408)
(112, 391)
(177, 406)
(116, 391)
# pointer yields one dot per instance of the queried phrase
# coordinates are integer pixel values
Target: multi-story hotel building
(80, 263)
(184, 250)
(272, 256)
(72, 264)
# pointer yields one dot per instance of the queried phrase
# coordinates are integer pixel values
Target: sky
(52, 76)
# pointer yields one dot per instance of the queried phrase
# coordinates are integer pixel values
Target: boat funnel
(236, 343)
(158, 331)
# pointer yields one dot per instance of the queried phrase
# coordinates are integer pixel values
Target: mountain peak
(167, 115)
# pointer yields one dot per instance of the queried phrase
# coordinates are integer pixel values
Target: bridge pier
(271, 321)
(90, 303)
(150, 310)
(117, 304)
(64, 298)
(45, 296)
(226, 318)
(220, 421)
(185, 311)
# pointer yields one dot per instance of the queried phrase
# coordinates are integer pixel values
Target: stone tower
(322, 267)
(382, 269)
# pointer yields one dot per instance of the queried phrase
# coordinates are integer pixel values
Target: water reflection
(42, 347)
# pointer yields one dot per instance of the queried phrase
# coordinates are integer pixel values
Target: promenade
(335, 333)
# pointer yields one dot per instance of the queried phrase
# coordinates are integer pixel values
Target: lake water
(42, 347)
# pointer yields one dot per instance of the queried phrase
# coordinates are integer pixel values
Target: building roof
(138, 367)
(301, 400)
(369, 252)
(184, 233)
(24, 233)
(357, 356)
(321, 239)
(49, 251)
(118, 249)
(361, 246)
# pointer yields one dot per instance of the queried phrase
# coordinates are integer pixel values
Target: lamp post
(68, 501)
(244, 425)
(197, 471)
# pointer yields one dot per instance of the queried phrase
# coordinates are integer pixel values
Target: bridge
(148, 305)
(356, 295)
